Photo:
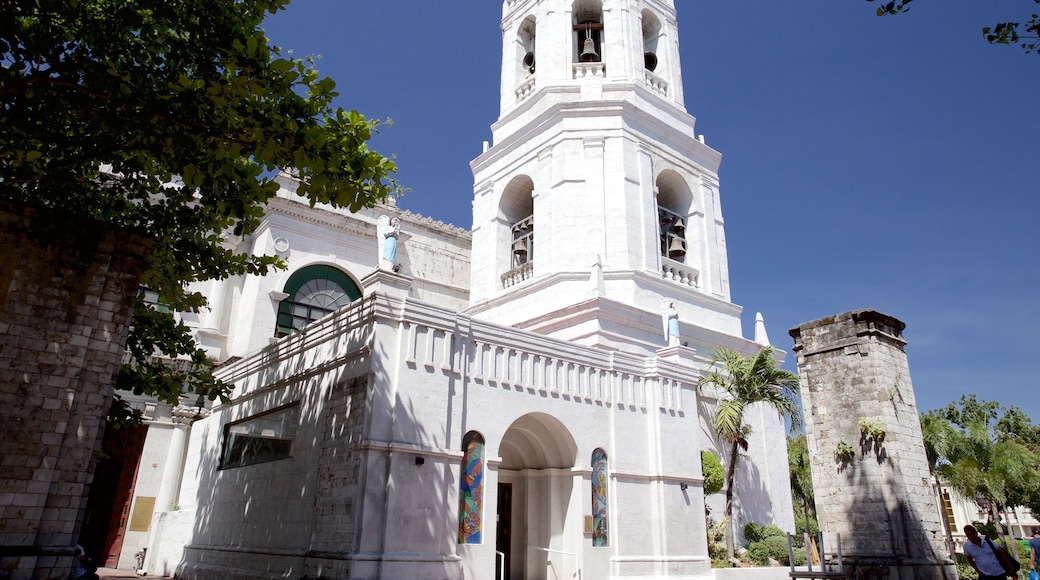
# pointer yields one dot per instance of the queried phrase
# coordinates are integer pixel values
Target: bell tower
(596, 202)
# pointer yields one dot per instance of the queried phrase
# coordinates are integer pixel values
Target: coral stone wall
(67, 288)
(857, 396)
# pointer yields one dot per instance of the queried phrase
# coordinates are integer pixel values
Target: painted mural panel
(599, 498)
(471, 489)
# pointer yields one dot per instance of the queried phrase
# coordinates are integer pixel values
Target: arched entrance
(539, 523)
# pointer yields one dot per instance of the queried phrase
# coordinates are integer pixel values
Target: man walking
(982, 556)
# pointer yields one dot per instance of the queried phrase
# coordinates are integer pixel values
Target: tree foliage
(745, 381)
(800, 467)
(170, 117)
(711, 468)
(1027, 35)
(983, 450)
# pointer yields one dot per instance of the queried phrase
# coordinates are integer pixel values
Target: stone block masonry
(67, 289)
(869, 469)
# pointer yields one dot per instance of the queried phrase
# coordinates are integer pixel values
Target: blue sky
(887, 163)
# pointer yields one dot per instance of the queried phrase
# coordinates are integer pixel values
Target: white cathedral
(502, 402)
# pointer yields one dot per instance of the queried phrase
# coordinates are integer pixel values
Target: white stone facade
(551, 350)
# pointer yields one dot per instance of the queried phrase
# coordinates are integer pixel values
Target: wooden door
(503, 535)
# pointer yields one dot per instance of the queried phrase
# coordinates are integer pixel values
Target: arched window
(517, 207)
(674, 200)
(600, 479)
(651, 39)
(471, 489)
(588, 25)
(314, 292)
(525, 45)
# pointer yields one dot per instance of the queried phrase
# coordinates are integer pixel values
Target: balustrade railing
(679, 272)
(519, 274)
(589, 69)
(656, 83)
(525, 89)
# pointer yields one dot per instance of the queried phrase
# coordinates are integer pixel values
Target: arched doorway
(537, 530)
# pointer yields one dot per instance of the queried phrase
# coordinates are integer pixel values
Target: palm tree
(801, 475)
(799, 464)
(979, 460)
(744, 381)
(942, 445)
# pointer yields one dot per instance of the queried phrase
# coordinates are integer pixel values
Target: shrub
(774, 547)
(717, 543)
(756, 532)
(799, 527)
(711, 468)
(752, 532)
(964, 569)
(758, 552)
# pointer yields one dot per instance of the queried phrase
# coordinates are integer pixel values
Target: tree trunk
(1009, 538)
(731, 471)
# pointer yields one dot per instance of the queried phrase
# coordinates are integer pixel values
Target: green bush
(799, 527)
(986, 529)
(756, 532)
(964, 569)
(752, 532)
(774, 547)
(717, 543)
(711, 468)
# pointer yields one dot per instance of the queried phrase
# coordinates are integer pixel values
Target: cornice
(636, 119)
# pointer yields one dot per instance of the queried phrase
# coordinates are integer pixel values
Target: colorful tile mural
(599, 498)
(471, 489)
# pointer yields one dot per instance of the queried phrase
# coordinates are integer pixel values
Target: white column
(169, 488)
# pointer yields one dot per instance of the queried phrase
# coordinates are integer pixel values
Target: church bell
(650, 61)
(520, 247)
(676, 248)
(529, 62)
(588, 53)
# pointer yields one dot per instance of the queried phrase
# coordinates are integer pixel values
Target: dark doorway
(503, 534)
(111, 492)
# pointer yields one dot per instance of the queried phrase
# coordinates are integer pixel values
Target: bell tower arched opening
(525, 48)
(588, 30)
(516, 209)
(651, 25)
(537, 470)
(674, 204)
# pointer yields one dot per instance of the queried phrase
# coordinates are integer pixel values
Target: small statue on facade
(670, 322)
(388, 233)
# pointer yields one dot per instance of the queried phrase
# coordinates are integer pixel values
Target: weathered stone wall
(67, 287)
(855, 373)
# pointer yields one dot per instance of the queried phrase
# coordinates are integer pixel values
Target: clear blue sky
(887, 163)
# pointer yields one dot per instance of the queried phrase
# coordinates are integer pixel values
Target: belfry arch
(537, 483)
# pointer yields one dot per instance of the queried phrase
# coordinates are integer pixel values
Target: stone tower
(597, 202)
(869, 469)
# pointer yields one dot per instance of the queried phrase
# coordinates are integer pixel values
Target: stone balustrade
(656, 83)
(525, 89)
(678, 272)
(517, 275)
(589, 69)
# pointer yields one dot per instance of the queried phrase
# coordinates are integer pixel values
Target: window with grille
(314, 292)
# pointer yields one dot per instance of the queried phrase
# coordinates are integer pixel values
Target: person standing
(1034, 549)
(982, 555)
